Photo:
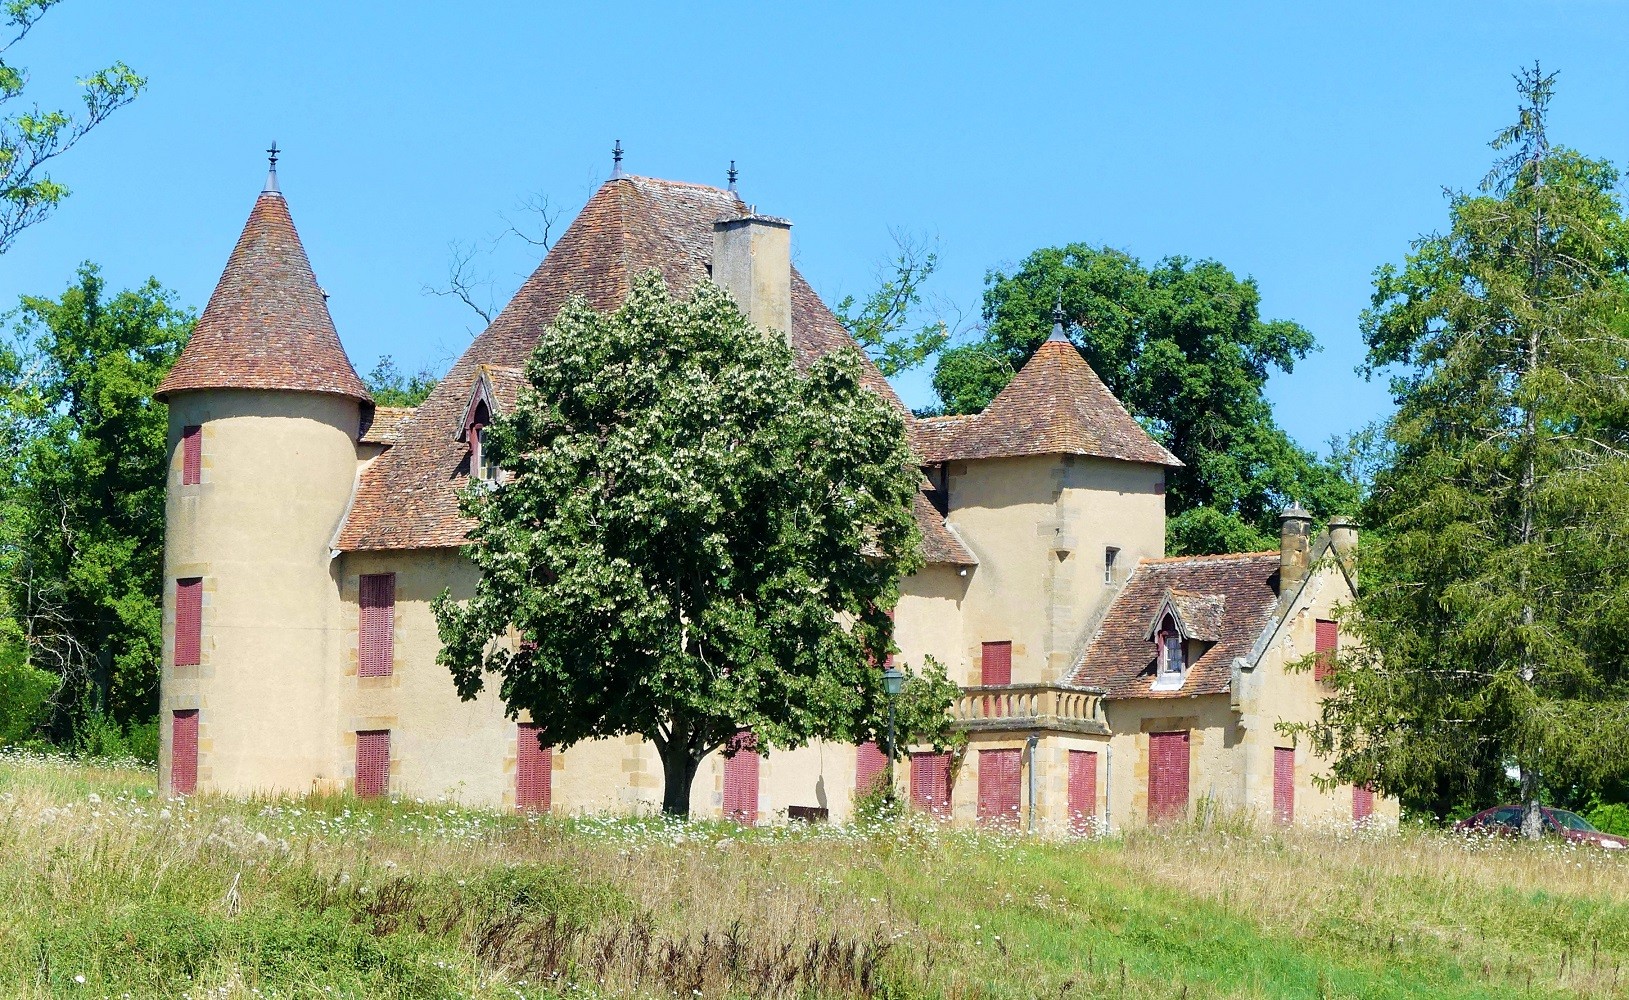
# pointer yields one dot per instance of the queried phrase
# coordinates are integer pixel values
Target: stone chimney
(1294, 547)
(752, 260)
(1343, 539)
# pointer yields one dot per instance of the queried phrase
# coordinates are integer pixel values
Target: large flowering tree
(693, 539)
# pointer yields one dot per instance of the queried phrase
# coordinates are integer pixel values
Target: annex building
(309, 529)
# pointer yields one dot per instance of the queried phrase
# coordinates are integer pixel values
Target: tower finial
(734, 173)
(1059, 320)
(616, 160)
(271, 174)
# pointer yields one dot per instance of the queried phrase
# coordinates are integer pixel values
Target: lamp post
(893, 681)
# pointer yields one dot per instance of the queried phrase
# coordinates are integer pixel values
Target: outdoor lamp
(892, 682)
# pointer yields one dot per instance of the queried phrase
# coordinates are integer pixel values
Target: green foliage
(98, 735)
(390, 387)
(31, 138)
(693, 537)
(880, 322)
(82, 478)
(24, 690)
(1494, 600)
(1183, 346)
(1609, 817)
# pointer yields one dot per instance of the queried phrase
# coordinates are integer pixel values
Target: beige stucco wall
(277, 469)
(1039, 527)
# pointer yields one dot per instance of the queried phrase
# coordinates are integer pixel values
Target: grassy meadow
(110, 890)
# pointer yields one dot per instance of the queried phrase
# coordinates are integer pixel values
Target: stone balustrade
(1025, 707)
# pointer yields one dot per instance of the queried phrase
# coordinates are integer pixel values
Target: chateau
(308, 530)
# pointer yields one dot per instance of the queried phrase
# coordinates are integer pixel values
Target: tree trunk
(678, 774)
(1532, 819)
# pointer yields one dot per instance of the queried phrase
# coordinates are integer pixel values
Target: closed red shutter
(184, 751)
(1082, 790)
(189, 621)
(1167, 776)
(534, 784)
(376, 631)
(996, 664)
(741, 781)
(1284, 784)
(1328, 641)
(869, 764)
(999, 772)
(372, 763)
(192, 459)
(930, 783)
(1362, 803)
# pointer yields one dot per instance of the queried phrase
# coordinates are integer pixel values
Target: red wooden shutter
(184, 751)
(1082, 790)
(741, 781)
(1284, 784)
(999, 772)
(869, 764)
(930, 783)
(534, 786)
(189, 621)
(1167, 775)
(996, 664)
(376, 631)
(192, 463)
(1362, 803)
(372, 762)
(1328, 641)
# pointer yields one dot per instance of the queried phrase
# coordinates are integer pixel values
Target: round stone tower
(265, 410)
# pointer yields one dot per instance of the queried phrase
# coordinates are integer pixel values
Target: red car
(1507, 820)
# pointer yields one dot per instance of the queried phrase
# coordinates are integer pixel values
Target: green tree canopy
(389, 386)
(1494, 606)
(31, 139)
(1184, 347)
(692, 537)
(82, 487)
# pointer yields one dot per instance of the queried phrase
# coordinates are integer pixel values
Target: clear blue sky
(1303, 144)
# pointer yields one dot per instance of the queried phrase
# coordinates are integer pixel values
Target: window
(869, 765)
(1362, 803)
(184, 751)
(1110, 556)
(1170, 648)
(480, 465)
(1167, 776)
(1327, 644)
(995, 663)
(372, 763)
(999, 772)
(534, 762)
(1082, 790)
(1284, 784)
(189, 621)
(192, 463)
(741, 779)
(930, 783)
(376, 629)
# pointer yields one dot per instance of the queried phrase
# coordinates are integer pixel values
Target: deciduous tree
(691, 539)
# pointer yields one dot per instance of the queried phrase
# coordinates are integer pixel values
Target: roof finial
(1059, 320)
(271, 174)
(733, 175)
(616, 160)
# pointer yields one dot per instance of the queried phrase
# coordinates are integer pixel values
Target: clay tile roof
(408, 497)
(267, 324)
(939, 541)
(383, 425)
(1198, 616)
(1055, 405)
(1230, 596)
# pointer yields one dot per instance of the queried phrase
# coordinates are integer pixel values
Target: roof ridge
(1213, 557)
(684, 184)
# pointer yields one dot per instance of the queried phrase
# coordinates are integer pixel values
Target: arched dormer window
(492, 395)
(1170, 649)
(480, 466)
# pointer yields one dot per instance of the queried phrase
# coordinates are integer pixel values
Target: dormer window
(480, 465)
(1170, 640)
(493, 394)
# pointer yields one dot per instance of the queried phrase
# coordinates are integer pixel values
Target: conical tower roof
(1055, 405)
(267, 324)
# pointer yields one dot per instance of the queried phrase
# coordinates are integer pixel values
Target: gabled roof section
(1196, 616)
(383, 424)
(267, 324)
(498, 386)
(1055, 405)
(408, 498)
(1231, 597)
